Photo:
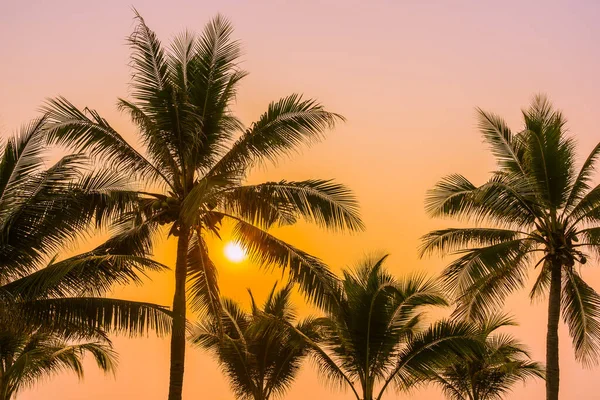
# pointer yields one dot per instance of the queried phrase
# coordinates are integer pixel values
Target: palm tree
(536, 211)
(41, 210)
(372, 335)
(28, 356)
(181, 105)
(491, 373)
(260, 358)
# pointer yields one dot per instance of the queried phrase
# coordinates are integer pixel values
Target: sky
(407, 75)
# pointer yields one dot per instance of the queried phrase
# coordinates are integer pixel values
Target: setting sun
(234, 252)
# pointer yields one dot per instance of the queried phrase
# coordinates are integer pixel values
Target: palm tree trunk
(367, 391)
(552, 367)
(179, 318)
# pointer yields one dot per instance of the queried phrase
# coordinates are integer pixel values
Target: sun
(234, 252)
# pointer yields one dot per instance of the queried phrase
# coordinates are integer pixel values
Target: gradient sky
(406, 74)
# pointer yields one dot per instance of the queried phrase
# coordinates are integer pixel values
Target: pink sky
(406, 74)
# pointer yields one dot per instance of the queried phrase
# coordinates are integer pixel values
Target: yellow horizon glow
(234, 252)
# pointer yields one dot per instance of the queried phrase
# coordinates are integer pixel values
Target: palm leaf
(581, 311)
(312, 275)
(323, 202)
(92, 134)
(203, 287)
(287, 123)
(95, 313)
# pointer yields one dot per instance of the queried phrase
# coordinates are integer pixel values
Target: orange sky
(406, 74)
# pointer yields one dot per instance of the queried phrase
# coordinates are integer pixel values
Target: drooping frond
(483, 277)
(28, 357)
(581, 312)
(436, 347)
(91, 273)
(588, 208)
(203, 287)
(491, 371)
(54, 207)
(38, 216)
(96, 313)
(323, 202)
(542, 282)
(312, 275)
(582, 183)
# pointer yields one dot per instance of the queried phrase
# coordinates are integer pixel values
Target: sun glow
(234, 252)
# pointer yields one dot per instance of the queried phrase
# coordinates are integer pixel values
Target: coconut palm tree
(373, 336)
(197, 155)
(491, 373)
(260, 358)
(28, 356)
(43, 209)
(535, 212)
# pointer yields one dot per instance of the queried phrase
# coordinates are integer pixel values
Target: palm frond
(581, 312)
(97, 313)
(505, 199)
(328, 204)
(506, 147)
(203, 287)
(588, 207)
(91, 273)
(21, 155)
(148, 62)
(436, 347)
(286, 125)
(483, 277)
(582, 182)
(212, 87)
(550, 153)
(89, 132)
(454, 239)
(33, 356)
(160, 148)
(312, 275)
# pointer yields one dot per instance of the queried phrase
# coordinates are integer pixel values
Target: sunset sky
(407, 75)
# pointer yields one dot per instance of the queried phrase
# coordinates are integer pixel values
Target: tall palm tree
(28, 356)
(491, 373)
(372, 334)
(197, 154)
(260, 358)
(535, 211)
(43, 209)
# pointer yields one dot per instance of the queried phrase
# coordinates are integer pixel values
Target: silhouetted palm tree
(28, 356)
(260, 358)
(372, 335)
(491, 373)
(41, 210)
(181, 105)
(541, 213)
